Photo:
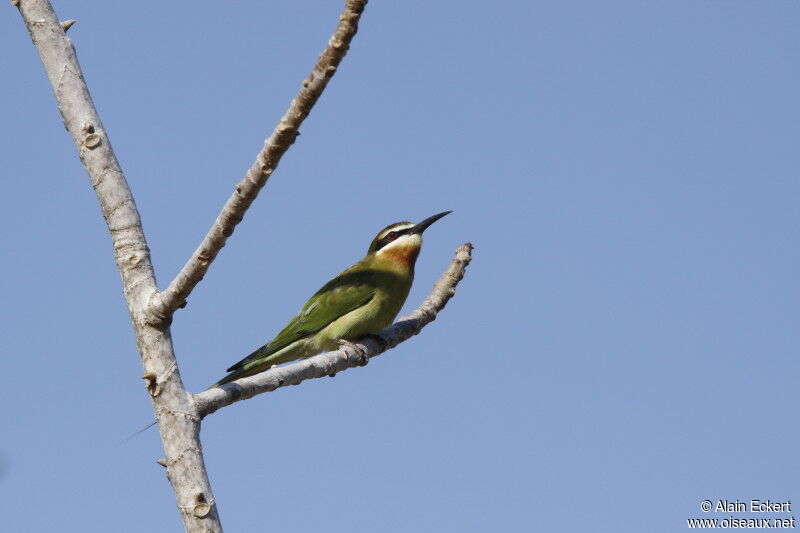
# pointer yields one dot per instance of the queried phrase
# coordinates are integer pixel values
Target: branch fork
(178, 412)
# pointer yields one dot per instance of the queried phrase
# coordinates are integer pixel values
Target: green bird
(362, 299)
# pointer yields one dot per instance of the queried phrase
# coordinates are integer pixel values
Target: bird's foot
(362, 354)
(344, 343)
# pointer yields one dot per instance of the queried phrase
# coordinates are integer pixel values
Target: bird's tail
(241, 372)
(260, 360)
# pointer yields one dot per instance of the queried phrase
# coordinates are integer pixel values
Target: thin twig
(164, 304)
(330, 363)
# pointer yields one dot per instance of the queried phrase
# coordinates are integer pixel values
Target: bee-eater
(362, 299)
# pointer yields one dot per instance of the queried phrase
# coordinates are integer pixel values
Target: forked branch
(164, 304)
(174, 407)
(329, 363)
(178, 412)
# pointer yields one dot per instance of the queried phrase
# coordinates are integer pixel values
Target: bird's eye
(392, 235)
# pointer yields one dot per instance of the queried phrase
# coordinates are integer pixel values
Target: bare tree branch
(164, 304)
(178, 421)
(178, 412)
(348, 356)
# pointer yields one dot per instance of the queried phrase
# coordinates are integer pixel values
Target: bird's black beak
(422, 226)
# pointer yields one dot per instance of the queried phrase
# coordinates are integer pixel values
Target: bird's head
(401, 241)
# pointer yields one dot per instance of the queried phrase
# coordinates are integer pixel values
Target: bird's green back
(350, 290)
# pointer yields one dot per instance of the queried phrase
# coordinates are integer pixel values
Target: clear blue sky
(624, 346)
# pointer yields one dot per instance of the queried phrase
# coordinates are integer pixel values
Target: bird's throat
(404, 256)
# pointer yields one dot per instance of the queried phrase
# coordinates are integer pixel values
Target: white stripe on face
(403, 241)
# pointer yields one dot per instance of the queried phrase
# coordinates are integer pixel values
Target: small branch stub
(202, 507)
(152, 384)
(67, 24)
(91, 141)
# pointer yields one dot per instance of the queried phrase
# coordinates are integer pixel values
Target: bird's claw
(344, 343)
(362, 354)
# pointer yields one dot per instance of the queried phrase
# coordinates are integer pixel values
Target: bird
(359, 301)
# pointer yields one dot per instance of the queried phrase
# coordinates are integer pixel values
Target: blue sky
(624, 344)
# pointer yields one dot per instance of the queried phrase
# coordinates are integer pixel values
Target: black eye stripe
(389, 238)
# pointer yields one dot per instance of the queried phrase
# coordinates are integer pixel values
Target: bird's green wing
(344, 294)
